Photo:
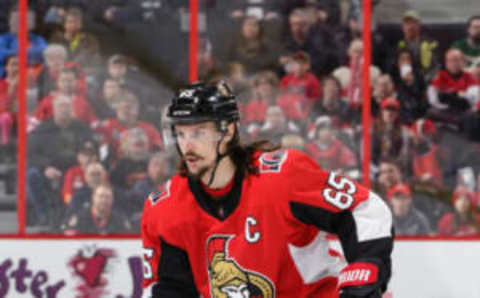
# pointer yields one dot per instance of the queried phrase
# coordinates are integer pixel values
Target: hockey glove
(360, 280)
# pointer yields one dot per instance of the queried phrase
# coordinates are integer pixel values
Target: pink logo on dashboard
(90, 266)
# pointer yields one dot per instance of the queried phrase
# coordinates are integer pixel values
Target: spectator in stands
(74, 178)
(56, 61)
(127, 112)
(333, 104)
(9, 42)
(407, 220)
(61, 135)
(251, 48)
(299, 29)
(351, 75)
(265, 90)
(428, 156)
(466, 178)
(226, 16)
(390, 137)
(121, 69)
(470, 46)
(353, 29)
(117, 69)
(51, 15)
(103, 103)
(82, 47)
(67, 87)
(8, 95)
(237, 9)
(331, 7)
(383, 88)
(301, 80)
(276, 125)
(462, 221)
(424, 49)
(300, 88)
(323, 18)
(328, 150)
(100, 218)
(318, 44)
(427, 199)
(453, 90)
(158, 171)
(389, 174)
(133, 162)
(55, 58)
(409, 85)
(95, 174)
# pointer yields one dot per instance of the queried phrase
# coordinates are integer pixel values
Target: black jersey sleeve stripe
(343, 225)
(174, 273)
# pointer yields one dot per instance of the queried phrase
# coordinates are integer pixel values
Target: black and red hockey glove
(361, 279)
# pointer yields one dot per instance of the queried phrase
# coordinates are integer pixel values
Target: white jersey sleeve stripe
(313, 261)
(373, 219)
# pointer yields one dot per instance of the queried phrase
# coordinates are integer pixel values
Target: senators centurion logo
(228, 279)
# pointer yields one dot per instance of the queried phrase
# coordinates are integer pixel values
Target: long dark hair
(243, 156)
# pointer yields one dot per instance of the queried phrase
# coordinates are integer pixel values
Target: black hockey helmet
(200, 102)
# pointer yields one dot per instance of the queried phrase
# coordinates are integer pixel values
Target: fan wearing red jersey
(251, 221)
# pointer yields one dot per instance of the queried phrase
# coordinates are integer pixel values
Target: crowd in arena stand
(100, 75)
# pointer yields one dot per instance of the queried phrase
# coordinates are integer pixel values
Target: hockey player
(250, 221)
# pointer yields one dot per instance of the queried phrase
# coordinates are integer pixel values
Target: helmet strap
(218, 158)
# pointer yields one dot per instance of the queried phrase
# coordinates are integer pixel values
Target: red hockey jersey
(266, 237)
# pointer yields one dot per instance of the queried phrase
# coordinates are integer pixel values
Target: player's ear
(230, 132)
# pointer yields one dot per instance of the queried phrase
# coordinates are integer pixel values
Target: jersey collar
(222, 206)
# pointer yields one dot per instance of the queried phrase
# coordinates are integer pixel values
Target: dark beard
(197, 176)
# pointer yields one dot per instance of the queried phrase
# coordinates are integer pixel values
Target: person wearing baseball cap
(391, 137)
(424, 49)
(411, 15)
(390, 104)
(407, 219)
(87, 152)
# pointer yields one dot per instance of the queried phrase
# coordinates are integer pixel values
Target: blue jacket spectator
(9, 42)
